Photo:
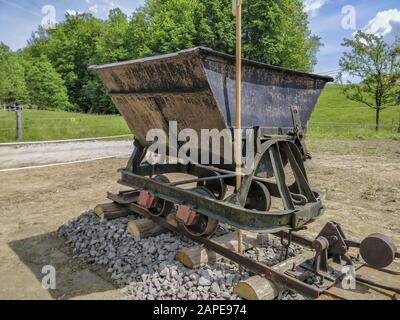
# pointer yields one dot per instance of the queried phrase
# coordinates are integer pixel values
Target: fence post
(18, 113)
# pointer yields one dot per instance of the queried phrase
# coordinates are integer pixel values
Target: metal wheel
(378, 250)
(161, 208)
(259, 198)
(217, 186)
(202, 226)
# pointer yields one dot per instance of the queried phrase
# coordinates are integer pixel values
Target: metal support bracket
(298, 132)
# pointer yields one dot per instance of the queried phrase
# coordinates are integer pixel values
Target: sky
(332, 20)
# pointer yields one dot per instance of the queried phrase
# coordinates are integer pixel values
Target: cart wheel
(259, 198)
(161, 207)
(217, 186)
(202, 226)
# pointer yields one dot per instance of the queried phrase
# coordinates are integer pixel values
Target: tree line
(52, 70)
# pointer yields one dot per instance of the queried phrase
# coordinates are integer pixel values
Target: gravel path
(146, 270)
(39, 154)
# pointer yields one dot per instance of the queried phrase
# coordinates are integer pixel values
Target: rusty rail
(251, 265)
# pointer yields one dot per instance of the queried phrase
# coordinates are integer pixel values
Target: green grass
(57, 125)
(337, 117)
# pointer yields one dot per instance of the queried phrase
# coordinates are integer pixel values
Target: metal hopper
(196, 88)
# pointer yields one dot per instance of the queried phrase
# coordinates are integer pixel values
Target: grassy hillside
(55, 125)
(334, 117)
(337, 117)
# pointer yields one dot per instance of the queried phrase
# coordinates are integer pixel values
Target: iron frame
(301, 204)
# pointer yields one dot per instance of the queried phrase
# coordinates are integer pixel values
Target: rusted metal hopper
(196, 88)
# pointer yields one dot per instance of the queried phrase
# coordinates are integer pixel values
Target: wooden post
(256, 288)
(260, 288)
(237, 10)
(198, 256)
(111, 211)
(18, 114)
(144, 228)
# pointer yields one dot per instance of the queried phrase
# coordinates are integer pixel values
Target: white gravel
(146, 269)
(40, 154)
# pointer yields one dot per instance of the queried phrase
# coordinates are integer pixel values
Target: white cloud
(313, 6)
(385, 24)
(100, 5)
(94, 8)
(72, 12)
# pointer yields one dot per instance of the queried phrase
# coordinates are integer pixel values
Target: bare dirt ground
(361, 181)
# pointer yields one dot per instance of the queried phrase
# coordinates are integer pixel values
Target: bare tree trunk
(378, 110)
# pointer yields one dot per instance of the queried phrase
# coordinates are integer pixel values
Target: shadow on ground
(74, 277)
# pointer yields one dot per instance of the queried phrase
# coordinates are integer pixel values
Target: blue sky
(19, 18)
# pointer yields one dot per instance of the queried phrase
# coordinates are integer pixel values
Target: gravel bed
(146, 270)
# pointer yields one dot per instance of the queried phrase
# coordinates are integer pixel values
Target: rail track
(384, 283)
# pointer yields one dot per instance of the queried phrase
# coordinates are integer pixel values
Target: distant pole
(18, 114)
(237, 11)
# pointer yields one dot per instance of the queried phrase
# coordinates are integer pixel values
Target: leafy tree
(273, 32)
(110, 47)
(71, 46)
(377, 65)
(216, 26)
(110, 44)
(159, 27)
(45, 87)
(12, 82)
(136, 35)
(276, 32)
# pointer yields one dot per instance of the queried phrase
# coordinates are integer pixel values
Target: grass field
(51, 125)
(335, 117)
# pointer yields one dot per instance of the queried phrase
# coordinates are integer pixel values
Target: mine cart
(195, 90)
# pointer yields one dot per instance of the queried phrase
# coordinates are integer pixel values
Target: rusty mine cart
(196, 89)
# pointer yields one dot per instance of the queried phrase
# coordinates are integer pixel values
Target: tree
(110, 47)
(12, 81)
(110, 44)
(71, 46)
(215, 25)
(159, 27)
(45, 87)
(276, 32)
(377, 65)
(273, 32)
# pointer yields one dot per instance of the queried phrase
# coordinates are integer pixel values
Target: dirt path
(362, 187)
(39, 154)
(33, 204)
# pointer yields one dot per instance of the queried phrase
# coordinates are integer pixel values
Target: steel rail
(252, 265)
(375, 284)
(183, 182)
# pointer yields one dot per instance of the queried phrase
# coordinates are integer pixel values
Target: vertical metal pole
(239, 106)
(18, 114)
